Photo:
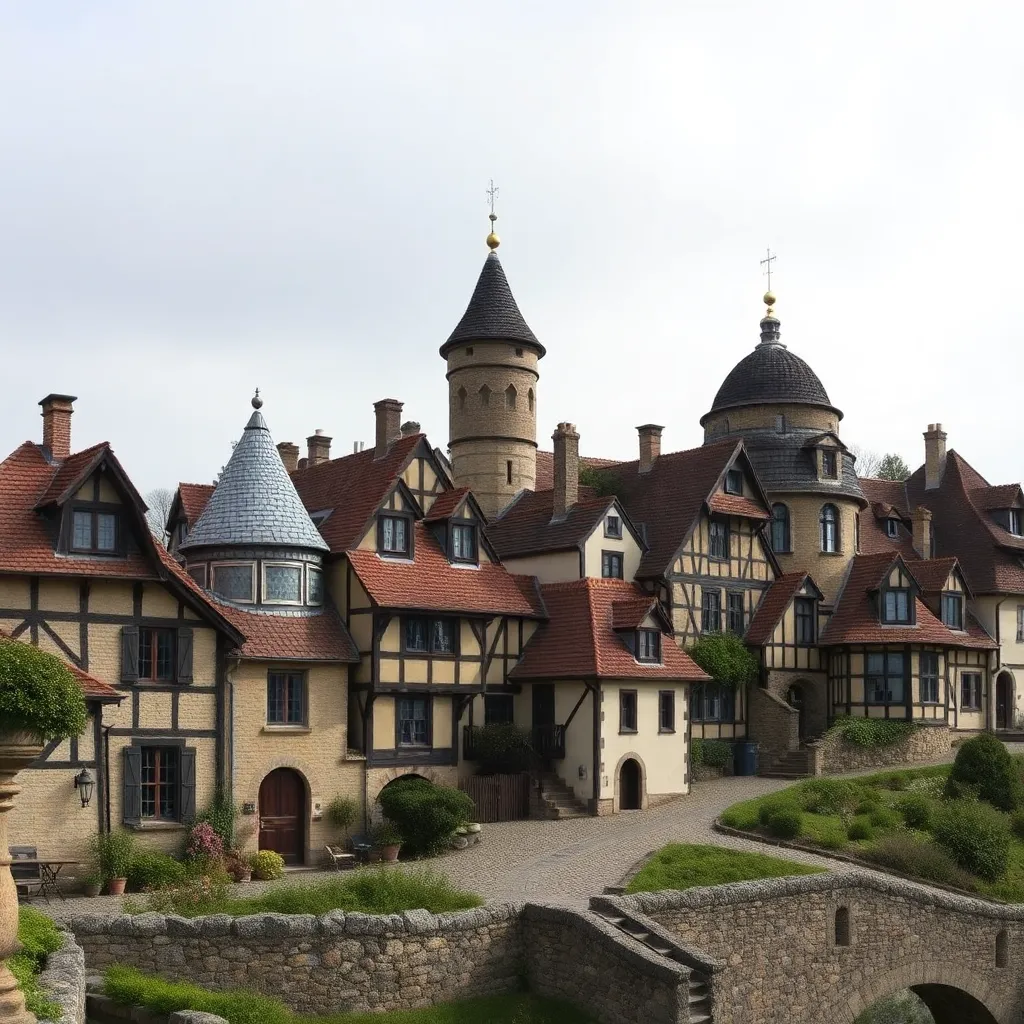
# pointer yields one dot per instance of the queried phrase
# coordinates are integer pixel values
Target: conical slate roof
(492, 313)
(255, 501)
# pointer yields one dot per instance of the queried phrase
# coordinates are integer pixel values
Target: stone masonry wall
(785, 962)
(832, 753)
(63, 981)
(774, 724)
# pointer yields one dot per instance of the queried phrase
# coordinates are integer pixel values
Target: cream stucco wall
(598, 542)
(998, 614)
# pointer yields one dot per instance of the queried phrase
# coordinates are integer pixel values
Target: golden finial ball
(493, 241)
(769, 298)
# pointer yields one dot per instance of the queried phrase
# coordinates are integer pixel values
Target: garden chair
(28, 878)
(339, 858)
(361, 847)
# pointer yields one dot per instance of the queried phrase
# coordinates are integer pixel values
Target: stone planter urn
(17, 751)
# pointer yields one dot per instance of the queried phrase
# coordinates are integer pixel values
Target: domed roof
(770, 375)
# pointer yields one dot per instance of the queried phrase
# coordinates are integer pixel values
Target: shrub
(868, 801)
(342, 811)
(744, 815)
(113, 853)
(831, 835)
(781, 816)
(784, 801)
(503, 748)
(976, 836)
(426, 815)
(726, 658)
(925, 860)
(713, 753)
(984, 763)
(39, 937)
(204, 843)
(221, 816)
(1017, 824)
(151, 870)
(386, 834)
(872, 732)
(193, 898)
(828, 796)
(38, 693)
(885, 817)
(896, 781)
(861, 828)
(266, 865)
(917, 810)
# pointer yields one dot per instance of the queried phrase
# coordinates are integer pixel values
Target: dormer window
(1014, 522)
(829, 465)
(953, 611)
(463, 545)
(94, 532)
(896, 606)
(393, 535)
(648, 645)
(734, 481)
(892, 528)
(613, 526)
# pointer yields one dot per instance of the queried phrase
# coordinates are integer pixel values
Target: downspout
(231, 668)
(106, 772)
(991, 697)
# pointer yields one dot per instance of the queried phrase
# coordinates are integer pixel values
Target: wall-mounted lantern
(84, 784)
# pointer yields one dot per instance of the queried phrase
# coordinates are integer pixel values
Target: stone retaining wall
(106, 1011)
(833, 754)
(63, 981)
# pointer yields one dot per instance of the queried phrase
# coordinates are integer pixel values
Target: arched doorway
(283, 814)
(795, 699)
(923, 1004)
(630, 786)
(1004, 701)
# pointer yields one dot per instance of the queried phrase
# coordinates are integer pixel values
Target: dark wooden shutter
(184, 655)
(132, 804)
(129, 654)
(188, 784)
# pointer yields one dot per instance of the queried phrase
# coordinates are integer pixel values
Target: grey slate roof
(771, 373)
(783, 463)
(492, 313)
(255, 501)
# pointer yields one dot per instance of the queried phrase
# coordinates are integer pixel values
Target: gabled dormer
(457, 521)
(895, 597)
(944, 590)
(639, 623)
(826, 452)
(392, 533)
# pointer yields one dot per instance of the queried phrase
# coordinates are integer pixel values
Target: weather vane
(767, 262)
(492, 194)
(493, 241)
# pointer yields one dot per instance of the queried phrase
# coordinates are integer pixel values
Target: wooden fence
(499, 797)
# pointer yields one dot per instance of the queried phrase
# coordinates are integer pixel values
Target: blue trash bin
(746, 758)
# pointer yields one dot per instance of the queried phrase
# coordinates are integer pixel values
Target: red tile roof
(1000, 496)
(71, 473)
(737, 505)
(887, 497)
(579, 642)
(193, 500)
(856, 619)
(352, 486)
(774, 602)
(546, 468)
(629, 612)
(525, 528)
(93, 688)
(320, 637)
(446, 504)
(432, 583)
(931, 573)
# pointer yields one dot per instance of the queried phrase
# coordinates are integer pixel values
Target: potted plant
(92, 884)
(237, 866)
(387, 839)
(112, 853)
(342, 812)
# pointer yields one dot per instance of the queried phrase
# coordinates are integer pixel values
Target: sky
(198, 199)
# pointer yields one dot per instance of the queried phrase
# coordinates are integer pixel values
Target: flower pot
(92, 888)
(243, 876)
(374, 855)
(472, 827)
(389, 852)
(115, 886)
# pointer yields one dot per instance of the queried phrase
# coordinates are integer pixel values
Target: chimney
(388, 412)
(922, 531)
(318, 448)
(567, 469)
(934, 456)
(57, 410)
(410, 427)
(289, 455)
(303, 463)
(650, 445)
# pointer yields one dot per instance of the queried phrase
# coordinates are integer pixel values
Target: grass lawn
(38, 936)
(368, 891)
(133, 988)
(683, 866)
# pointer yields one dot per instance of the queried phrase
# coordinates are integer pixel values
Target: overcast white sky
(199, 198)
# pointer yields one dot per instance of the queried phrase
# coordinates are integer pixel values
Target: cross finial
(767, 262)
(493, 241)
(492, 194)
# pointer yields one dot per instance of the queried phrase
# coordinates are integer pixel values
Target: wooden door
(630, 797)
(543, 703)
(282, 814)
(1003, 702)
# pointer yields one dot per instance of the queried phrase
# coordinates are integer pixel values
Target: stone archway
(284, 814)
(630, 782)
(1005, 700)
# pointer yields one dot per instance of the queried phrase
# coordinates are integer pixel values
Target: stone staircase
(551, 798)
(699, 1008)
(796, 764)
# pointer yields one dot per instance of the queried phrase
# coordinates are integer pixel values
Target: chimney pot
(410, 427)
(289, 453)
(650, 445)
(567, 469)
(922, 519)
(303, 463)
(318, 448)
(934, 456)
(388, 413)
(57, 410)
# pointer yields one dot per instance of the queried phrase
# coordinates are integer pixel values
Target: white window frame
(214, 566)
(263, 582)
(310, 571)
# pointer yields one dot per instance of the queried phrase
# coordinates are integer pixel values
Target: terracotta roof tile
(579, 641)
(546, 468)
(737, 505)
(70, 472)
(774, 602)
(431, 583)
(887, 497)
(525, 527)
(193, 500)
(446, 504)
(931, 573)
(629, 612)
(1000, 496)
(321, 637)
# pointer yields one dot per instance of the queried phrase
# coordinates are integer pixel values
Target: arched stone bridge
(822, 948)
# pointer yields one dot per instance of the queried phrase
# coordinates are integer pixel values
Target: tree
(892, 467)
(867, 461)
(159, 501)
(902, 1008)
(726, 658)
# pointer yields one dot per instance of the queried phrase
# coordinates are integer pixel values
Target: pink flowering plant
(204, 844)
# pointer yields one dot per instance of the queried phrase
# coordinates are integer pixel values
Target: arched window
(829, 528)
(485, 395)
(510, 396)
(780, 528)
(529, 398)
(1002, 949)
(780, 424)
(461, 395)
(843, 926)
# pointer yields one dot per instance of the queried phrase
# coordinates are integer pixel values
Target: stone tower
(492, 358)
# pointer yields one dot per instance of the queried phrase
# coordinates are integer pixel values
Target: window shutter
(184, 655)
(129, 654)
(188, 784)
(131, 808)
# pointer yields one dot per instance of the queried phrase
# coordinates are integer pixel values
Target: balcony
(547, 742)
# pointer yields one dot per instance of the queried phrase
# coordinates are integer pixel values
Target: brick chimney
(922, 518)
(318, 448)
(303, 463)
(934, 456)
(650, 445)
(567, 469)
(57, 410)
(289, 453)
(410, 427)
(388, 412)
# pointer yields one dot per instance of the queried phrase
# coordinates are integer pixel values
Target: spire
(770, 332)
(255, 501)
(493, 241)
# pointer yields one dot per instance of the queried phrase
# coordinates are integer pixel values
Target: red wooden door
(282, 801)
